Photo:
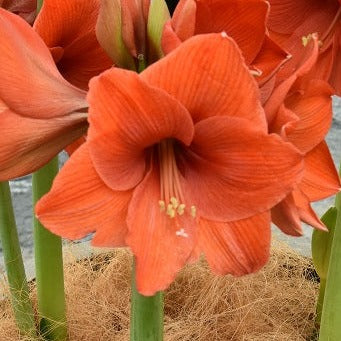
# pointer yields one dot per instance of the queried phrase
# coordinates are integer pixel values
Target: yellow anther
(174, 201)
(181, 209)
(193, 211)
(162, 205)
(170, 210)
(306, 39)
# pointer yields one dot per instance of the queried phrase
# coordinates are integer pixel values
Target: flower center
(172, 198)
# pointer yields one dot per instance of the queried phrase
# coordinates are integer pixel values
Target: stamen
(174, 202)
(306, 39)
(181, 209)
(162, 205)
(224, 34)
(193, 211)
(170, 211)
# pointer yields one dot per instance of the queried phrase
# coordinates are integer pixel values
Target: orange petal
(285, 215)
(28, 76)
(208, 76)
(80, 203)
(269, 60)
(26, 144)
(299, 65)
(154, 238)
(170, 41)
(238, 248)
(124, 125)
(305, 211)
(321, 179)
(239, 19)
(71, 26)
(183, 19)
(234, 171)
(313, 106)
(335, 79)
(71, 148)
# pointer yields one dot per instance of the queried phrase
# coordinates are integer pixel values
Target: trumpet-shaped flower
(244, 21)
(68, 29)
(40, 112)
(300, 110)
(291, 22)
(177, 162)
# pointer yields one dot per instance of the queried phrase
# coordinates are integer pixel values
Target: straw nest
(277, 303)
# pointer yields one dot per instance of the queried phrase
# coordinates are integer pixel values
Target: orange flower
(301, 112)
(25, 8)
(40, 113)
(68, 29)
(177, 162)
(244, 21)
(292, 21)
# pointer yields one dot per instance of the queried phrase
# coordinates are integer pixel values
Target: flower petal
(208, 76)
(30, 84)
(80, 203)
(238, 18)
(26, 144)
(306, 213)
(321, 179)
(238, 248)
(234, 171)
(154, 237)
(313, 106)
(71, 26)
(285, 215)
(299, 65)
(126, 117)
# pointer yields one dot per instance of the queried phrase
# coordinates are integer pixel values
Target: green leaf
(322, 242)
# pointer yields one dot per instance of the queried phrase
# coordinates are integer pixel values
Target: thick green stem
(146, 322)
(49, 264)
(39, 4)
(330, 329)
(320, 300)
(21, 303)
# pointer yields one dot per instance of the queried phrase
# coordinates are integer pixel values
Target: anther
(306, 39)
(162, 205)
(174, 202)
(193, 211)
(170, 210)
(181, 209)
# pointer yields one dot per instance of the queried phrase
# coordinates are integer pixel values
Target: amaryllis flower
(40, 112)
(177, 162)
(27, 9)
(244, 21)
(291, 22)
(301, 112)
(68, 29)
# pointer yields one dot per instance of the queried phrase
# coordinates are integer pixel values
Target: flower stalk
(20, 298)
(49, 264)
(146, 322)
(331, 313)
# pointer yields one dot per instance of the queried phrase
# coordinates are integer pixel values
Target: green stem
(21, 303)
(320, 300)
(330, 329)
(49, 264)
(39, 4)
(146, 323)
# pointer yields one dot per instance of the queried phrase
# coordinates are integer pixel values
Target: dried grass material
(277, 303)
